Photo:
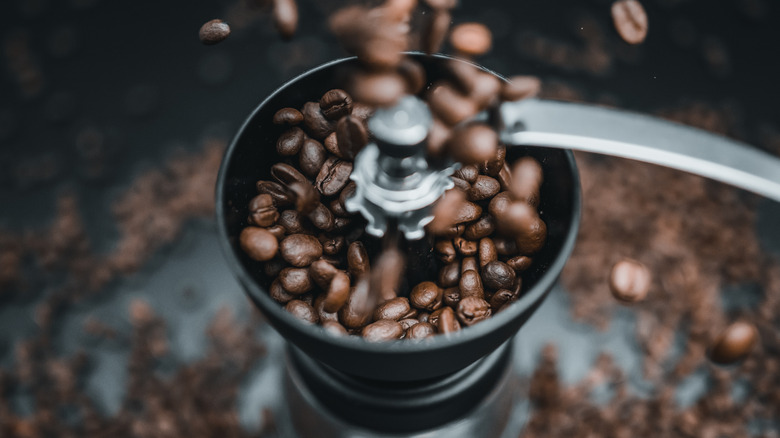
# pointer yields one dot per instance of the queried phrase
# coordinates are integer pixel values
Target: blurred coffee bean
(292, 221)
(288, 116)
(445, 211)
(441, 4)
(408, 322)
(287, 175)
(315, 122)
(435, 31)
(307, 198)
(290, 142)
(333, 176)
(451, 107)
(423, 316)
(438, 136)
(499, 204)
(387, 273)
(357, 259)
(258, 243)
(473, 143)
(280, 196)
(295, 280)
(322, 272)
(213, 32)
(383, 330)
(336, 104)
(734, 343)
(505, 247)
(471, 285)
(449, 275)
(334, 328)
(351, 136)
(483, 188)
(322, 314)
(262, 211)
(505, 177)
(487, 252)
(494, 165)
(482, 228)
(358, 309)
(303, 311)
(277, 292)
(447, 321)
(420, 331)
(377, 88)
(471, 39)
(445, 250)
(300, 250)
(285, 15)
(322, 218)
(520, 263)
(472, 310)
(527, 178)
(337, 292)
(498, 275)
(426, 295)
(630, 281)
(520, 87)
(414, 75)
(394, 309)
(630, 20)
(516, 219)
(466, 248)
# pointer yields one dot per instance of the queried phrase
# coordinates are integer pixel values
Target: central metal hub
(394, 180)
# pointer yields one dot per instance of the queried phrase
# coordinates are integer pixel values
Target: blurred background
(119, 316)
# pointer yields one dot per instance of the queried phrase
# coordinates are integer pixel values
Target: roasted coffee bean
(277, 292)
(471, 285)
(394, 309)
(332, 244)
(333, 176)
(322, 272)
(408, 322)
(498, 275)
(449, 275)
(516, 219)
(519, 263)
(307, 298)
(474, 143)
(285, 15)
(451, 297)
(461, 185)
(278, 231)
(288, 116)
(300, 250)
(426, 295)
(377, 88)
(213, 32)
(347, 192)
(630, 20)
(357, 259)
(453, 232)
(287, 175)
(469, 264)
(505, 247)
(331, 144)
(482, 228)
(280, 196)
(445, 211)
(412, 313)
(383, 330)
(452, 107)
(734, 343)
(322, 218)
(629, 281)
(466, 248)
(468, 173)
(423, 316)
(362, 111)
(262, 211)
(312, 157)
(472, 310)
(485, 89)
(322, 314)
(520, 87)
(433, 318)
(303, 311)
(448, 323)
(467, 212)
(273, 267)
(419, 331)
(438, 136)
(413, 73)
(471, 39)
(290, 142)
(334, 328)
(351, 136)
(527, 178)
(295, 280)
(501, 297)
(435, 30)
(258, 243)
(494, 165)
(315, 122)
(500, 204)
(337, 292)
(532, 239)
(336, 104)
(358, 309)
(340, 224)
(385, 278)
(445, 250)
(487, 252)
(292, 221)
(505, 177)
(337, 209)
(307, 198)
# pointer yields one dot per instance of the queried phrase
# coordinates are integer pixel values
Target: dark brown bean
(630, 20)
(449, 275)
(383, 330)
(471, 285)
(498, 275)
(532, 239)
(333, 176)
(448, 323)
(441, 4)
(258, 243)
(485, 89)
(499, 204)
(474, 143)
(322, 218)
(303, 311)
(285, 16)
(467, 212)
(469, 264)
(357, 311)
(386, 275)
(377, 88)
(295, 280)
(292, 221)
(280, 196)
(472, 310)
(357, 259)
(505, 247)
(288, 116)
(461, 184)
(334, 328)
(451, 297)
(412, 313)
(527, 178)
(300, 250)
(277, 292)
(471, 39)
(433, 318)
(734, 343)
(331, 144)
(468, 173)
(319, 307)
(213, 32)
(287, 175)
(494, 165)
(312, 157)
(520, 263)
(278, 231)
(347, 192)
(487, 252)
(394, 309)
(413, 73)
(435, 30)
(337, 209)
(501, 297)
(290, 142)
(452, 107)
(423, 316)
(518, 218)
(466, 248)
(337, 292)
(484, 227)
(629, 281)
(307, 198)
(438, 136)
(262, 211)
(505, 177)
(520, 87)
(408, 322)
(273, 267)
(445, 250)
(351, 136)
(332, 244)
(322, 272)
(336, 104)
(419, 331)
(426, 295)
(315, 122)
(340, 224)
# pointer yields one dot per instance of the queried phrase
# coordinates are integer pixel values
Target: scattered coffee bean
(262, 211)
(472, 310)
(426, 295)
(288, 116)
(351, 136)
(734, 343)
(295, 280)
(300, 250)
(322, 218)
(292, 221)
(494, 165)
(303, 311)
(516, 219)
(322, 314)
(469, 264)
(333, 176)
(414, 75)
(394, 309)
(451, 107)
(527, 178)
(532, 239)
(336, 104)
(258, 243)
(358, 309)
(471, 39)
(285, 14)
(307, 198)
(213, 32)
(484, 188)
(435, 30)
(287, 175)
(468, 173)
(332, 244)
(630, 20)
(629, 281)
(451, 297)
(386, 275)
(290, 142)
(520, 87)
(461, 185)
(383, 330)
(377, 88)
(498, 275)
(357, 259)
(474, 143)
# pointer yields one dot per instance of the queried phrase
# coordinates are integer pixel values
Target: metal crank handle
(619, 133)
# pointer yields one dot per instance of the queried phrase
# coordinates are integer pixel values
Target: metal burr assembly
(394, 180)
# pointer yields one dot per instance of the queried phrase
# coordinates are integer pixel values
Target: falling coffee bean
(629, 281)
(474, 143)
(307, 198)
(435, 30)
(322, 272)
(213, 32)
(630, 20)
(734, 343)
(471, 39)
(337, 292)
(520, 87)
(285, 15)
